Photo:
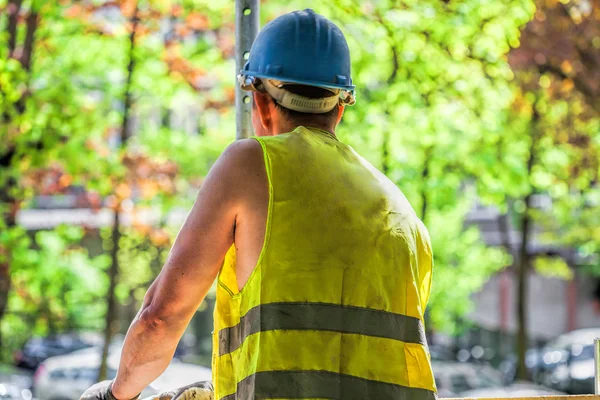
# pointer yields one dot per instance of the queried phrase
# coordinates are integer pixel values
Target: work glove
(101, 391)
(196, 391)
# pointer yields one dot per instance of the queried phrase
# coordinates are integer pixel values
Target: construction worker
(323, 269)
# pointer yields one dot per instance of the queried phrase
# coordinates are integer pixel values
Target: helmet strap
(296, 102)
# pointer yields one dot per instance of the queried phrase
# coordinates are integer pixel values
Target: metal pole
(597, 366)
(246, 29)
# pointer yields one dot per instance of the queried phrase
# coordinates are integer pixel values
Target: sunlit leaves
(56, 281)
(61, 128)
(553, 267)
(558, 109)
(463, 263)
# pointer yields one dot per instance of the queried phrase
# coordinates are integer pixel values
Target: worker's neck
(286, 127)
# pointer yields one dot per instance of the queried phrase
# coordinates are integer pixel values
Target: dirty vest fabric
(334, 308)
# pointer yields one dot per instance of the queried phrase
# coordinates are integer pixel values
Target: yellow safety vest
(334, 308)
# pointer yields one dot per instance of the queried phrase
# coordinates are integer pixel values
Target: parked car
(533, 362)
(67, 377)
(568, 362)
(454, 378)
(37, 349)
(518, 389)
(441, 353)
(15, 384)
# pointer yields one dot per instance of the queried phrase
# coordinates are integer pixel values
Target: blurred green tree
(84, 61)
(552, 148)
(55, 284)
(40, 114)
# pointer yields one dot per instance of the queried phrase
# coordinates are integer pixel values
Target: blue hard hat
(301, 47)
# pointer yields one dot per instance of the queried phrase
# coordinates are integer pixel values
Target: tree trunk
(13, 9)
(4, 290)
(522, 287)
(385, 152)
(111, 309)
(504, 229)
(424, 179)
(385, 144)
(46, 312)
(524, 258)
(111, 312)
(32, 25)
(6, 197)
(424, 208)
(132, 306)
(10, 220)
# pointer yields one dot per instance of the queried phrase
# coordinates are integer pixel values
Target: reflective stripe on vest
(321, 385)
(324, 317)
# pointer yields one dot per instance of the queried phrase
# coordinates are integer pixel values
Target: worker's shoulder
(240, 167)
(243, 155)
(243, 149)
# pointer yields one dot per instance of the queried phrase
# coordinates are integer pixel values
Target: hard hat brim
(326, 85)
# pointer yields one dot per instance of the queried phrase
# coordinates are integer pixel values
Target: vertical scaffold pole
(246, 29)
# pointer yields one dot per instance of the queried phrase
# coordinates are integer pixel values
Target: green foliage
(463, 263)
(579, 216)
(55, 284)
(553, 267)
(142, 254)
(51, 126)
(548, 149)
(64, 113)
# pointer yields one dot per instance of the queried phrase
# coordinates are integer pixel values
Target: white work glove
(196, 391)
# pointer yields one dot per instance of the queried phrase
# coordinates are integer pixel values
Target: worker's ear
(340, 114)
(262, 109)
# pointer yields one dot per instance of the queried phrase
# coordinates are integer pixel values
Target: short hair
(326, 119)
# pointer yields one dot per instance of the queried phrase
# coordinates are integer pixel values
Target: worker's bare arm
(189, 272)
